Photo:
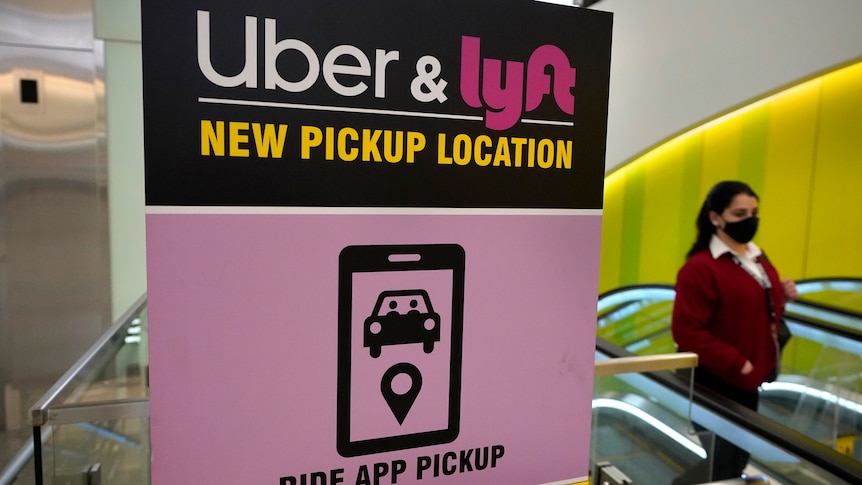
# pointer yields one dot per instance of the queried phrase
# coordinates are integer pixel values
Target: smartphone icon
(400, 327)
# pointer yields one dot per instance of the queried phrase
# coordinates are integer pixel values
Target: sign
(372, 237)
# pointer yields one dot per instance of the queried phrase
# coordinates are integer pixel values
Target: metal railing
(59, 404)
(73, 382)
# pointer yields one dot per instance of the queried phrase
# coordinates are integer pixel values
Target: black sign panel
(409, 104)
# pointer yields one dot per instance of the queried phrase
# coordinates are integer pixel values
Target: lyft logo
(504, 103)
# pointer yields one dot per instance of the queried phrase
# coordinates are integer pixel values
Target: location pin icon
(400, 403)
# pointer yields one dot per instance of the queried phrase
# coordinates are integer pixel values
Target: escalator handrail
(638, 286)
(602, 312)
(664, 286)
(829, 308)
(802, 300)
(832, 279)
(846, 312)
(839, 330)
(786, 438)
(844, 331)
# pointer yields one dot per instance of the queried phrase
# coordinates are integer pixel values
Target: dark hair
(718, 198)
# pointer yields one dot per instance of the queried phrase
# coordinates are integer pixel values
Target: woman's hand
(790, 292)
(747, 368)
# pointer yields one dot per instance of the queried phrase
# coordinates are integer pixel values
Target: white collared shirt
(717, 247)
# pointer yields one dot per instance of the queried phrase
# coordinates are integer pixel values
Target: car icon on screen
(402, 317)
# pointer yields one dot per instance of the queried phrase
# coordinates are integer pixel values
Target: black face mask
(742, 231)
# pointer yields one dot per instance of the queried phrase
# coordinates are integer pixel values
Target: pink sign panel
(248, 335)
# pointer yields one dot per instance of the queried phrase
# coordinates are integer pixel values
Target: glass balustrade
(646, 429)
(93, 425)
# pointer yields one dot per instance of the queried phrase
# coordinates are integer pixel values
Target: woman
(729, 299)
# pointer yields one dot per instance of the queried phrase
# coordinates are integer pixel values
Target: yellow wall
(800, 149)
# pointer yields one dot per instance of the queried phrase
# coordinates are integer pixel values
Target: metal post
(37, 453)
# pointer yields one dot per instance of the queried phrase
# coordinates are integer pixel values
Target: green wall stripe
(632, 226)
(753, 147)
(692, 198)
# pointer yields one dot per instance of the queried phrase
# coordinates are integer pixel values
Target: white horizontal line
(549, 122)
(345, 109)
(340, 109)
(252, 210)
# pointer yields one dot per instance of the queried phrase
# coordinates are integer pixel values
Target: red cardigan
(721, 314)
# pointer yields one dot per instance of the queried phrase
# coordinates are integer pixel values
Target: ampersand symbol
(427, 70)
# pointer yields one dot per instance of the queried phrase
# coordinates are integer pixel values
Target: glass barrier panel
(649, 433)
(94, 420)
(820, 386)
(635, 322)
(125, 375)
(824, 402)
(642, 438)
(113, 451)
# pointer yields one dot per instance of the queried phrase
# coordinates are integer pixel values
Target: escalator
(637, 430)
(642, 425)
(818, 391)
